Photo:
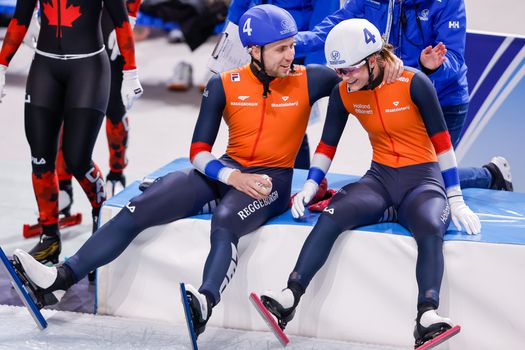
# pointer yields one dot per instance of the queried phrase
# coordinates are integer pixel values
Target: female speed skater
(413, 169)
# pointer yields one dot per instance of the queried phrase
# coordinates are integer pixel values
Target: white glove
(304, 197)
(112, 41)
(131, 88)
(31, 37)
(2, 81)
(461, 213)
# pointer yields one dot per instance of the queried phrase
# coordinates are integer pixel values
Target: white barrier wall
(365, 293)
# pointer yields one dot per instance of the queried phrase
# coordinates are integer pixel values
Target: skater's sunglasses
(345, 72)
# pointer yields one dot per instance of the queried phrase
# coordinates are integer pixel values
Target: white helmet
(350, 42)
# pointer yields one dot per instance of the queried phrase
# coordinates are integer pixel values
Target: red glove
(319, 206)
(321, 192)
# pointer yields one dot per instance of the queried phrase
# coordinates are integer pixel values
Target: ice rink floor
(71, 330)
(161, 126)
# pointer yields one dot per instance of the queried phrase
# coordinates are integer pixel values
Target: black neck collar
(264, 78)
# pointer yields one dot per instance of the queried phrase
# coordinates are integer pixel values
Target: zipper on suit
(59, 25)
(384, 127)
(259, 131)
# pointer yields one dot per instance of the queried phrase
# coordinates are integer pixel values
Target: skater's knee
(331, 225)
(77, 164)
(222, 234)
(223, 217)
(222, 227)
(40, 166)
(427, 231)
(42, 163)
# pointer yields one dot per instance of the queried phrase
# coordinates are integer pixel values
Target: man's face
(278, 57)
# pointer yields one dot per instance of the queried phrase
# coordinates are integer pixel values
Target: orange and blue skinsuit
(413, 170)
(264, 137)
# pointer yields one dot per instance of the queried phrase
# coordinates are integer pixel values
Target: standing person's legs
(81, 127)
(65, 197)
(42, 126)
(86, 101)
(117, 120)
(117, 131)
(42, 119)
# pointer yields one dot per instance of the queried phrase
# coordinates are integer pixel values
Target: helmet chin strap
(261, 74)
(373, 83)
(370, 73)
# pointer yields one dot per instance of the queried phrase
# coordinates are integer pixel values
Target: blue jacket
(415, 25)
(307, 13)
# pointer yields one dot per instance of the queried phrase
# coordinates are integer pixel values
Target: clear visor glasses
(344, 72)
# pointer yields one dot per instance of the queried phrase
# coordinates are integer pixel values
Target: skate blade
(22, 292)
(269, 319)
(29, 231)
(440, 338)
(187, 314)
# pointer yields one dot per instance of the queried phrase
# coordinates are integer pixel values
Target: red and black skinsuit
(117, 122)
(68, 86)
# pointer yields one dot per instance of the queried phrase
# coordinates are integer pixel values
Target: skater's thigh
(173, 196)
(241, 214)
(358, 204)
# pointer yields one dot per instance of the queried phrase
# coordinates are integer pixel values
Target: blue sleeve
(336, 118)
(321, 80)
(425, 97)
(314, 39)
(237, 9)
(451, 29)
(212, 107)
(320, 9)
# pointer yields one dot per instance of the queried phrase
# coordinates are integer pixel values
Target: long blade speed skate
(65, 221)
(269, 319)
(440, 338)
(187, 314)
(22, 292)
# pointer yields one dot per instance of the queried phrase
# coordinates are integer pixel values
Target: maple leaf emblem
(59, 9)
